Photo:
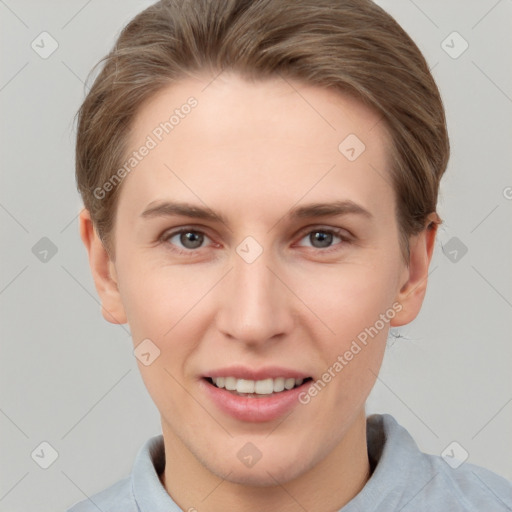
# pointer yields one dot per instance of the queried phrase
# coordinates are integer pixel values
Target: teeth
(278, 384)
(264, 387)
(289, 383)
(260, 387)
(229, 383)
(245, 386)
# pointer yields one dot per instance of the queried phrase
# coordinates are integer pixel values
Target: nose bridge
(255, 306)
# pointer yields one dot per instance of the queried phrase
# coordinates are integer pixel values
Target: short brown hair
(353, 46)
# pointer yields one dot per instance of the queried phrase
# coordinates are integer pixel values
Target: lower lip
(257, 409)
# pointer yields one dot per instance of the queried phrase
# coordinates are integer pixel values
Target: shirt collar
(149, 493)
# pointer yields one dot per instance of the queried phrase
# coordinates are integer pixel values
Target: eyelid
(343, 233)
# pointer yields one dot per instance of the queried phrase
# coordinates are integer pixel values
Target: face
(257, 251)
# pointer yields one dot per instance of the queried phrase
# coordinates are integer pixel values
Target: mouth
(268, 396)
(255, 395)
(263, 388)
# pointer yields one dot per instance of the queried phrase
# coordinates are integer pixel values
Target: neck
(327, 486)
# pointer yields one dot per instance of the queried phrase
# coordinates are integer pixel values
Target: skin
(252, 151)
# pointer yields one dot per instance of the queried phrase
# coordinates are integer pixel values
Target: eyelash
(340, 233)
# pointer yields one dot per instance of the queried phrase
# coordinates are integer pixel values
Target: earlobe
(103, 271)
(412, 292)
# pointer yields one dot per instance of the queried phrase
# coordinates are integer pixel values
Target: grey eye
(188, 239)
(320, 238)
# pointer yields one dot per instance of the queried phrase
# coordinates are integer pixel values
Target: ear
(412, 292)
(103, 271)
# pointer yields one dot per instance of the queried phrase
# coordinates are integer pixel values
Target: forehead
(272, 141)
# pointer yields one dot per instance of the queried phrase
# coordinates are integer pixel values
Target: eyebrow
(313, 210)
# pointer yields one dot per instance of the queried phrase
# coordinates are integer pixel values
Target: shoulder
(467, 487)
(409, 480)
(116, 498)
(143, 485)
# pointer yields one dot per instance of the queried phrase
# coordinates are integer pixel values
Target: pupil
(325, 239)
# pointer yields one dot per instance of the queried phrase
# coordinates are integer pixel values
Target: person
(260, 182)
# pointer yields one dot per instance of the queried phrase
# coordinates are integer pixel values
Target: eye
(323, 238)
(185, 239)
(189, 240)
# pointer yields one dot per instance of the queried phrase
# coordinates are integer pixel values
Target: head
(208, 148)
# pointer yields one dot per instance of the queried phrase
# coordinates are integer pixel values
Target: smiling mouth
(256, 388)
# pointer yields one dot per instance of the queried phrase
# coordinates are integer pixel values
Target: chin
(263, 477)
(265, 473)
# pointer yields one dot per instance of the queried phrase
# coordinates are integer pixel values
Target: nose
(255, 306)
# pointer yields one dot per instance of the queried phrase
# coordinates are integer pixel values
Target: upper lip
(266, 372)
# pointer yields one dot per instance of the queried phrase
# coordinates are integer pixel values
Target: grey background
(70, 379)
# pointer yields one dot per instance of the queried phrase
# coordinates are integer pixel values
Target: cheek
(156, 297)
(348, 299)
(164, 305)
(156, 301)
(353, 308)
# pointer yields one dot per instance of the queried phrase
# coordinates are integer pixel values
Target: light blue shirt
(404, 479)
